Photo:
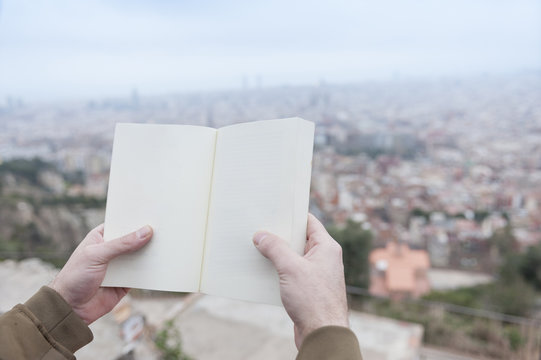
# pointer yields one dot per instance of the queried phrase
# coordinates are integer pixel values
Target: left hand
(79, 280)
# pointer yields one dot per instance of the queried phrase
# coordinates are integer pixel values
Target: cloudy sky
(86, 49)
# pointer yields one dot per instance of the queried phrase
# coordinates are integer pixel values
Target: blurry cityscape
(433, 188)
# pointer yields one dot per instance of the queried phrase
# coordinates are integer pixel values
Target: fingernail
(258, 236)
(143, 232)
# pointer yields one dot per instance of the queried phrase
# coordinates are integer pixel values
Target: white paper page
(261, 182)
(160, 175)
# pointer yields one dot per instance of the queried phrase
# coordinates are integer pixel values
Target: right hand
(312, 286)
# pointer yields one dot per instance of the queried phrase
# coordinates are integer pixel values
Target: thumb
(109, 250)
(275, 249)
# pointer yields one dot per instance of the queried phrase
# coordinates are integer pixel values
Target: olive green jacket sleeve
(330, 342)
(44, 328)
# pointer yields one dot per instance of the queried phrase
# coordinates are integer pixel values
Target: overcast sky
(88, 49)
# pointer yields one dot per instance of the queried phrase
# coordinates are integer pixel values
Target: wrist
(306, 330)
(64, 295)
(60, 291)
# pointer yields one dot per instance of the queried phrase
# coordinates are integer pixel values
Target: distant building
(399, 272)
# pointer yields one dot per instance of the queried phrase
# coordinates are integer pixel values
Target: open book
(206, 192)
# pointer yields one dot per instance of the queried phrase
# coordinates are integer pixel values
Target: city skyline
(64, 50)
(451, 168)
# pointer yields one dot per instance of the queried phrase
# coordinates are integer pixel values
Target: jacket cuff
(330, 342)
(59, 320)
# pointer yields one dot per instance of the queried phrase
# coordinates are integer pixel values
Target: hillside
(43, 213)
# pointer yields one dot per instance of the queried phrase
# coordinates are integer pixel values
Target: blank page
(160, 175)
(261, 182)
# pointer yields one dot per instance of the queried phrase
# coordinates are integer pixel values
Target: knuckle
(335, 248)
(126, 241)
(338, 249)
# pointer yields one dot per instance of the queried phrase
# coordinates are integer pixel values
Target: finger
(314, 226)
(108, 250)
(121, 292)
(317, 234)
(95, 236)
(275, 249)
(99, 229)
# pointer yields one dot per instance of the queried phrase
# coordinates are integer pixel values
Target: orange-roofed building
(399, 272)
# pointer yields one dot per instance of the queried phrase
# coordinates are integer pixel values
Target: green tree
(513, 293)
(530, 266)
(504, 240)
(356, 245)
(480, 215)
(169, 343)
(516, 298)
(420, 213)
(24, 168)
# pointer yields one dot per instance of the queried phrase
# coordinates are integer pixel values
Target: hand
(312, 286)
(79, 280)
